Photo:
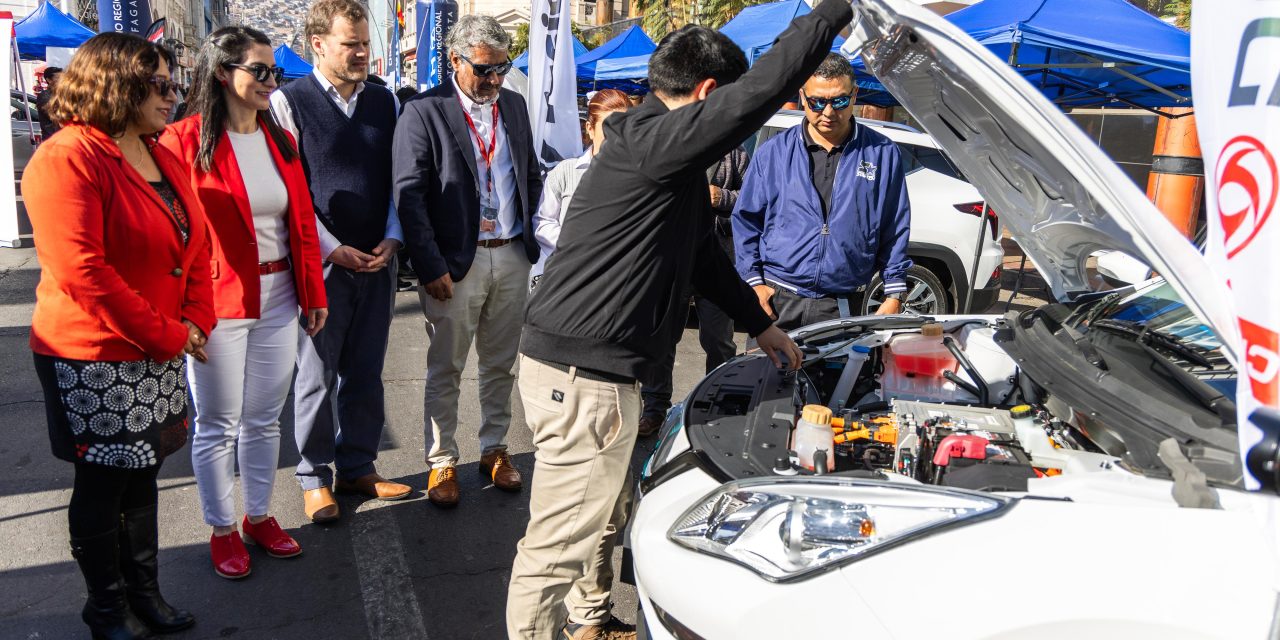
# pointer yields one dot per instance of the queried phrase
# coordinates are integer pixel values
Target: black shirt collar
(811, 145)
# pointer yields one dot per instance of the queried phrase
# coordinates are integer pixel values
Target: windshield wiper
(1151, 338)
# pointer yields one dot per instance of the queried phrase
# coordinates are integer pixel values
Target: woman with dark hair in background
(124, 292)
(558, 186)
(266, 272)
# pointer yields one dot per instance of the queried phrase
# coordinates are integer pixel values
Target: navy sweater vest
(347, 160)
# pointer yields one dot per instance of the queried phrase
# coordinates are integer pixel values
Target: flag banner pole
(553, 88)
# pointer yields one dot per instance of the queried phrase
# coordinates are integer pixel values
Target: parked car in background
(25, 123)
(945, 210)
(1069, 471)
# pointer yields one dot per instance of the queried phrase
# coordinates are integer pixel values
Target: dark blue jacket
(778, 222)
(436, 185)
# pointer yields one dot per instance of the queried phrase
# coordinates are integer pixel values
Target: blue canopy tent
(294, 66)
(522, 61)
(1084, 52)
(755, 28)
(631, 43)
(48, 27)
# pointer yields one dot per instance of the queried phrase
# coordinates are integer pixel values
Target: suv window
(915, 157)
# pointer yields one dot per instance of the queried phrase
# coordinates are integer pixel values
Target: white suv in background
(944, 225)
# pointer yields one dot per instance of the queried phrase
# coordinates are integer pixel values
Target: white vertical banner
(553, 84)
(1234, 48)
(9, 232)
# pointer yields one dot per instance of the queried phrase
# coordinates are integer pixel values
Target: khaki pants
(584, 431)
(487, 306)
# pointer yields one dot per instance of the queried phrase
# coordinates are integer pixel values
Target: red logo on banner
(1262, 361)
(1247, 188)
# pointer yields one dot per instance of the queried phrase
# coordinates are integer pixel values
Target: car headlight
(788, 530)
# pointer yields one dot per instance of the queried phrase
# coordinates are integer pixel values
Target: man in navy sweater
(344, 127)
(823, 208)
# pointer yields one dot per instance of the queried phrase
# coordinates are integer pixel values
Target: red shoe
(230, 559)
(268, 535)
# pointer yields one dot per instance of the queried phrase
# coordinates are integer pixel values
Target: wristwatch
(900, 296)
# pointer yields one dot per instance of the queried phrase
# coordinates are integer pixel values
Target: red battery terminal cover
(960, 446)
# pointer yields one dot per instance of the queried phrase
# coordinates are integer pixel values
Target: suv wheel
(925, 294)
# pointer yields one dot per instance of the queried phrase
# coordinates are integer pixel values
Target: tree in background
(664, 16)
(1179, 10)
(520, 42)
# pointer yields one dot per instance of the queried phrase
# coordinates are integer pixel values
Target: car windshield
(1158, 308)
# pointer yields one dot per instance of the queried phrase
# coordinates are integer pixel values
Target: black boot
(138, 547)
(107, 612)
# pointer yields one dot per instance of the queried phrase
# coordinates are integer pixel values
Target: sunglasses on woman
(162, 84)
(818, 105)
(260, 72)
(482, 70)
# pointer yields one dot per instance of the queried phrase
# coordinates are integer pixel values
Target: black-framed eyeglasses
(502, 68)
(818, 105)
(260, 72)
(162, 84)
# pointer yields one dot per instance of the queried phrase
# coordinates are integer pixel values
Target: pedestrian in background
(715, 327)
(124, 292)
(560, 183)
(47, 126)
(636, 236)
(824, 208)
(246, 171)
(344, 128)
(466, 182)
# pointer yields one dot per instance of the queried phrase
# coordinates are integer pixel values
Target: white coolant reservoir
(1032, 436)
(922, 354)
(813, 433)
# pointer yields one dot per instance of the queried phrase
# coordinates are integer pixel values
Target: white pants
(488, 307)
(239, 395)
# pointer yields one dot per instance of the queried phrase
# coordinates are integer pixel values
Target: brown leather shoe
(613, 629)
(319, 505)
(648, 426)
(497, 466)
(374, 486)
(442, 487)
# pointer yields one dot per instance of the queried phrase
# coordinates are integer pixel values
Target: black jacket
(435, 184)
(639, 227)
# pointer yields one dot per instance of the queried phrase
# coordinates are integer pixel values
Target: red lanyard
(485, 152)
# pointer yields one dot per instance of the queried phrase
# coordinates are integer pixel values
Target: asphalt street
(388, 570)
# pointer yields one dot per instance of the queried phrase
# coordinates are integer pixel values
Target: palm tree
(664, 16)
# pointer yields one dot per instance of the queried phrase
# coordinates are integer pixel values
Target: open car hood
(1061, 197)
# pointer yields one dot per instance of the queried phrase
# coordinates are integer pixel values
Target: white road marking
(390, 606)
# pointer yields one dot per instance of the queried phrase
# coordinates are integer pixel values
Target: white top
(504, 175)
(268, 197)
(283, 112)
(557, 191)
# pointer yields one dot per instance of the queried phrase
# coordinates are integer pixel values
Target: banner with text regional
(434, 21)
(1234, 48)
(124, 16)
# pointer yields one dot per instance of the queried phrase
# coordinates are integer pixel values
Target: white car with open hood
(1065, 472)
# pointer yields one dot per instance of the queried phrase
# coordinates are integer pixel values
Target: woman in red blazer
(124, 292)
(266, 267)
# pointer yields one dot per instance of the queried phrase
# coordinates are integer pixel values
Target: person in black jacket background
(638, 232)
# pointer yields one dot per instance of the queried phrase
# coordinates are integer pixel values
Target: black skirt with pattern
(119, 414)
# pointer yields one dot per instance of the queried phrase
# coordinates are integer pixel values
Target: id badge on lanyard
(488, 203)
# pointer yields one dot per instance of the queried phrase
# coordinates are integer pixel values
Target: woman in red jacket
(266, 266)
(124, 292)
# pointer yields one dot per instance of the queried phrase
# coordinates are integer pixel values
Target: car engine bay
(941, 403)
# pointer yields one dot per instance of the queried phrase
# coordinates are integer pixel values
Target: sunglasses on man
(818, 105)
(482, 70)
(260, 72)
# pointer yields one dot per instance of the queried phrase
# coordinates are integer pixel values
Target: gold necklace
(125, 151)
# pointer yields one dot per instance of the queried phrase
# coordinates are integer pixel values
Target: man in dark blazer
(466, 184)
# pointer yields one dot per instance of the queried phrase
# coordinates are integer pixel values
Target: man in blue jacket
(823, 208)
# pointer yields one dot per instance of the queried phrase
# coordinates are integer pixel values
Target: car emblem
(1247, 187)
